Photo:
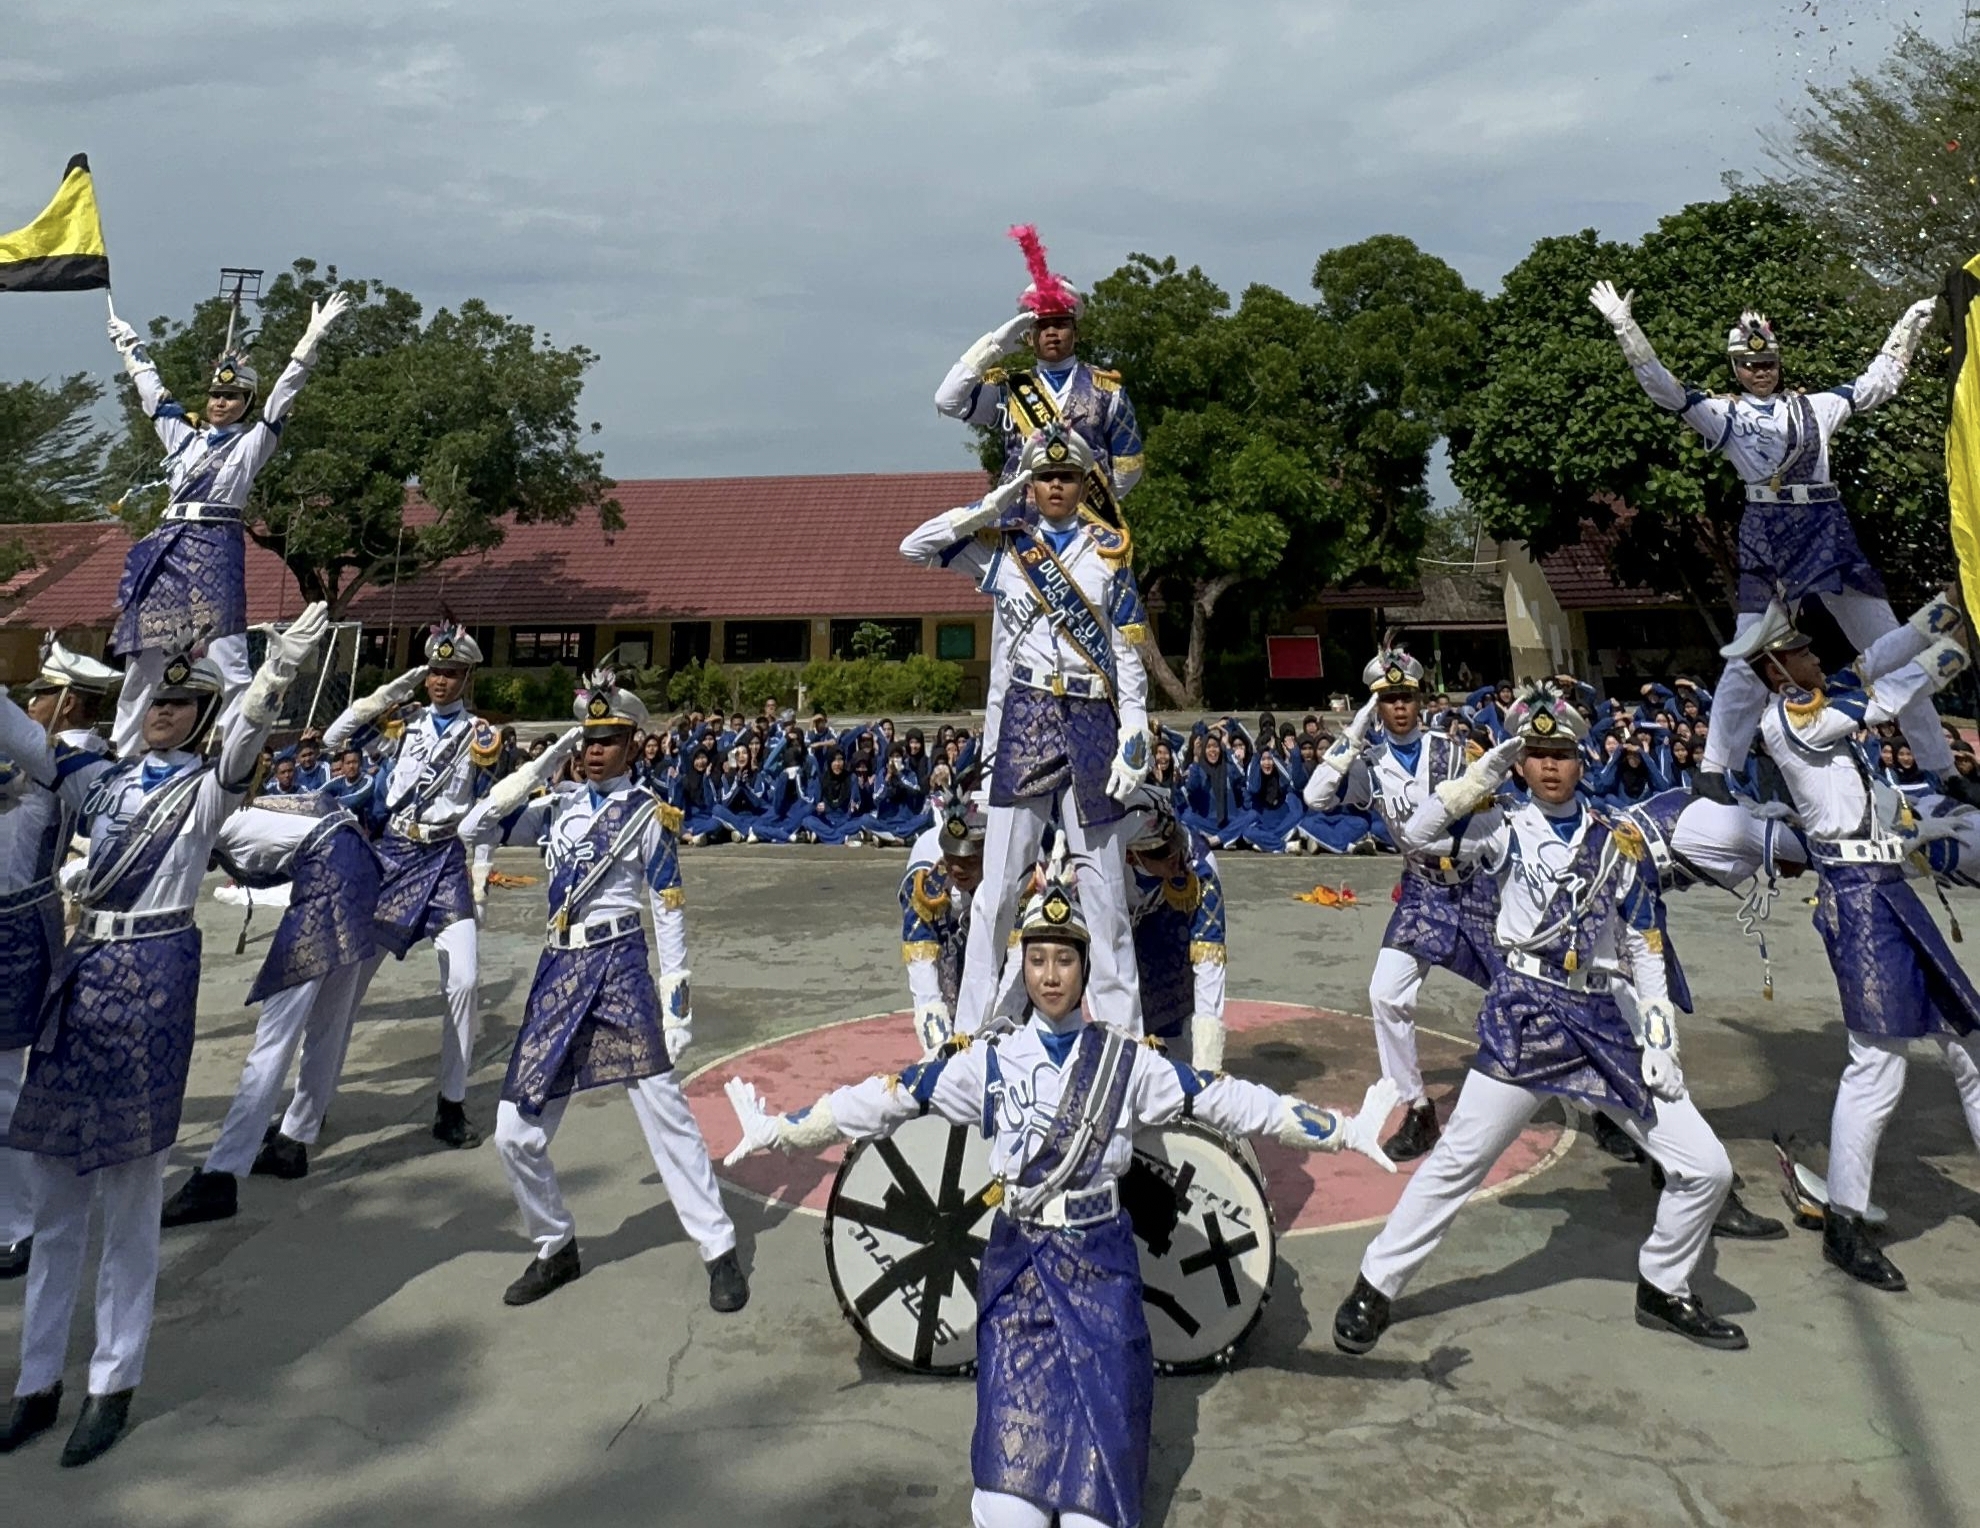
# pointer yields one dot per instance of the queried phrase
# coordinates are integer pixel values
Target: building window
(766, 641)
(903, 637)
(541, 646)
(634, 649)
(377, 646)
(956, 642)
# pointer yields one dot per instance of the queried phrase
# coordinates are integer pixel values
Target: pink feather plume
(1051, 294)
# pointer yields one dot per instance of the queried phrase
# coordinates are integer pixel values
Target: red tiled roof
(699, 548)
(1580, 578)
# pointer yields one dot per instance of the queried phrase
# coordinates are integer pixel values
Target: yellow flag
(62, 250)
(1963, 427)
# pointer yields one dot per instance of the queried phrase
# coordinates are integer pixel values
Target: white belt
(408, 826)
(201, 512)
(1556, 976)
(1793, 493)
(108, 927)
(1077, 1208)
(1858, 851)
(1085, 686)
(587, 934)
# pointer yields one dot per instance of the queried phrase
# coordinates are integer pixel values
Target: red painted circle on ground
(1325, 1057)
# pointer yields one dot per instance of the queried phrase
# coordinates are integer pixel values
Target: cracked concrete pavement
(338, 1356)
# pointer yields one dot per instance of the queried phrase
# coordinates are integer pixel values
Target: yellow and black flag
(62, 250)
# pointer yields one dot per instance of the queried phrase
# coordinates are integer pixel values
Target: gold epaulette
(1654, 938)
(1473, 750)
(1156, 1043)
(929, 910)
(1628, 837)
(1105, 381)
(1184, 892)
(669, 816)
(1801, 713)
(993, 376)
(484, 745)
(1111, 541)
(1135, 633)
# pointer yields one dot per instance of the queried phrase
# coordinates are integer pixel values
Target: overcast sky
(779, 223)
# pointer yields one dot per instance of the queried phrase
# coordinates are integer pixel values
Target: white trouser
(1392, 994)
(1867, 622)
(144, 671)
(16, 1190)
(1489, 1115)
(671, 1135)
(1010, 849)
(1872, 1084)
(458, 946)
(132, 1194)
(322, 1065)
(307, 1015)
(994, 1509)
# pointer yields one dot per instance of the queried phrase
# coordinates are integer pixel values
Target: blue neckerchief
(1057, 375)
(442, 720)
(597, 800)
(1564, 826)
(1406, 754)
(1057, 1046)
(1059, 540)
(155, 775)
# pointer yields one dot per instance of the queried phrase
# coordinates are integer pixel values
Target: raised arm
(963, 394)
(1452, 799)
(949, 540)
(1708, 416)
(1886, 372)
(1323, 788)
(167, 415)
(24, 746)
(261, 702)
(368, 709)
(512, 812)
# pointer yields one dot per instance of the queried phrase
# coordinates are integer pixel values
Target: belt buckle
(1058, 683)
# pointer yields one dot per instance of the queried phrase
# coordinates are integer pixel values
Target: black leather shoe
(1362, 1318)
(544, 1275)
(1609, 1136)
(1685, 1316)
(32, 1416)
(1738, 1223)
(101, 1422)
(202, 1197)
(728, 1289)
(1846, 1243)
(1417, 1133)
(281, 1157)
(14, 1257)
(1712, 786)
(452, 1127)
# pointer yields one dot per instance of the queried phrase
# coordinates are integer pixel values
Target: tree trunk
(1188, 690)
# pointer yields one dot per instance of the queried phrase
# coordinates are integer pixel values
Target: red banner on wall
(1293, 658)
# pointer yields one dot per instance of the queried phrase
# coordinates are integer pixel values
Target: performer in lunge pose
(1070, 697)
(1795, 538)
(1062, 389)
(1179, 922)
(1443, 915)
(594, 1017)
(49, 757)
(190, 573)
(945, 867)
(1064, 1380)
(1576, 909)
(322, 956)
(106, 1080)
(1897, 979)
(443, 764)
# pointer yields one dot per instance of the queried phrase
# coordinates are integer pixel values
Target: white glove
(971, 518)
(1349, 745)
(1131, 762)
(1615, 307)
(999, 342)
(1481, 779)
(512, 792)
(1936, 617)
(1206, 1042)
(1306, 1128)
(130, 346)
(932, 1025)
(394, 692)
(1910, 328)
(321, 316)
(1944, 661)
(478, 880)
(1660, 1059)
(676, 1014)
(262, 703)
(761, 1129)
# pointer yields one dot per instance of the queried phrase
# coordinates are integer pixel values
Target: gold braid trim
(919, 949)
(673, 898)
(1205, 952)
(930, 910)
(1801, 713)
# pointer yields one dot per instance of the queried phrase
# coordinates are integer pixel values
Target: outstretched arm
(166, 414)
(1708, 416)
(963, 394)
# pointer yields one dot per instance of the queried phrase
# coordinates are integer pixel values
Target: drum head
(905, 1229)
(1208, 1248)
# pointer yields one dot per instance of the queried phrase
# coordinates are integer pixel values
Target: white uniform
(1028, 648)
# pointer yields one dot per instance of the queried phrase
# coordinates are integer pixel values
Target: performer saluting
(1577, 907)
(190, 574)
(1070, 695)
(945, 868)
(1179, 925)
(594, 1016)
(1795, 539)
(1064, 1380)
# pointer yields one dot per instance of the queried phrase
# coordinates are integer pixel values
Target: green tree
(473, 409)
(1887, 164)
(51, 458)
(1561, 432)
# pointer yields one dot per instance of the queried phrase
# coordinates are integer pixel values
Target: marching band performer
(1576, 911)
(50, 755)
(1444, 912)
(1063, 390)
(1070, 697)
(190, 573)
(441, 767)
(1179, 921)
(1065, 1378)
(1795, 538)
(319, 962)
(594, 1016)
(106, 1081)
(945, 867)
(1897, 980)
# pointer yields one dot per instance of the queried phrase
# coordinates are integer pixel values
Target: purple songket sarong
(1536, 1035)
(328, 923)
(1895, 973)
(1449, 926)
(592, 1018)
(1047, 742)
(186, 576)
(424, 891)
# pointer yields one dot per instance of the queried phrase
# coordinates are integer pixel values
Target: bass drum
(905, 1229)
(1208, 1247)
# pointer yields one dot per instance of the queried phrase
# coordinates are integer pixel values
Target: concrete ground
(339, 1354)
